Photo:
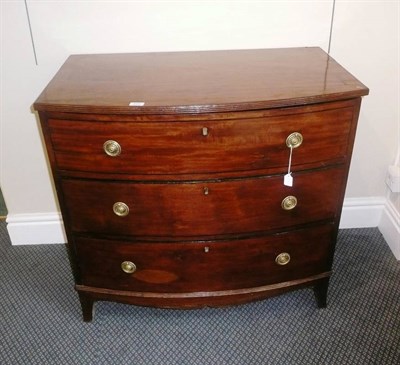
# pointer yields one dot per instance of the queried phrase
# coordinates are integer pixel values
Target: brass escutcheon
(121, 209)
(204, 131)
(128, 266)
(283, 258)
(294, 140)
(112, 148)
(289, 202)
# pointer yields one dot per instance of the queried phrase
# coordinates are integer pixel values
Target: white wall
(364, 41)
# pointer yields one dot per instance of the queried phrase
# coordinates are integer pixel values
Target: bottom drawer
(204, 266)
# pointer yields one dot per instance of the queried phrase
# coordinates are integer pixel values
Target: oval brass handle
(121, 209)
(289, 202)
(282, 259)
(128, 266)
(294, 140)
(112, 148)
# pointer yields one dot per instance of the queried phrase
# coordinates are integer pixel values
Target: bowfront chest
(193, 179)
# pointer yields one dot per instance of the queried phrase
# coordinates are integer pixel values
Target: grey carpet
(40, 318)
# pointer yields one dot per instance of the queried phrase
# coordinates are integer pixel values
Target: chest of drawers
(169, 170)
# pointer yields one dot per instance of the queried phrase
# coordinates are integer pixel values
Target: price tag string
(290, 161)
(288, 178)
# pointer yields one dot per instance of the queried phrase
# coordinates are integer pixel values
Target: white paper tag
(136, 103)
(288, 180)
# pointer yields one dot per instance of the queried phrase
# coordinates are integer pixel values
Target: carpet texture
(40, 317)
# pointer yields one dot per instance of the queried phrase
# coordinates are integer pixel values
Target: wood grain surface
(196, 82)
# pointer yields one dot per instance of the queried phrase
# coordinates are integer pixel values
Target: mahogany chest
(190, 179)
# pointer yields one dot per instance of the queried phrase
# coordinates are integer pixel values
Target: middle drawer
(204, 208)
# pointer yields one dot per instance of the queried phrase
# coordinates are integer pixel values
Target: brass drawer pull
(128, 266)
(294, 140)
(121, 209)
(282, 259)
(289, 202)
(112, 148)
(204, 131)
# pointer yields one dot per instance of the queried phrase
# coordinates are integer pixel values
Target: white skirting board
(389, 226)
(362, 212)
(36, 228)
(45, 228)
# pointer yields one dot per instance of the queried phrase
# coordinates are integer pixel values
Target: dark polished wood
(204, 265)
(200, 168)
(87, 306)
(250, 141)
(192, 82)
(321, 292)
(184, 210)
(197, 299)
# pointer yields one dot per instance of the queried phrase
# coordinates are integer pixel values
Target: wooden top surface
(193, 82)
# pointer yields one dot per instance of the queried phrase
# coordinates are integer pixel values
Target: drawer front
(206, 266)
(194, 147)
(201, 208)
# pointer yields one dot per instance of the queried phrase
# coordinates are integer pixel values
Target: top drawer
(242, 141)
